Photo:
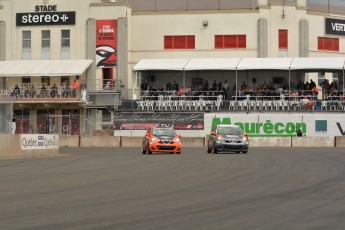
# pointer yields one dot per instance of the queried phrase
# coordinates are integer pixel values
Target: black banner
(142, 121)
(45, 18)
(335, 26)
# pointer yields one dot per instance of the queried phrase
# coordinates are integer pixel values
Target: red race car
(161, 139)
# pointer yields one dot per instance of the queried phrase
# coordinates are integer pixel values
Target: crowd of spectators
(266, 90)
(64, 90)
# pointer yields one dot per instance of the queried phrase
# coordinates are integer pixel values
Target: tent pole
(184, 79)
(236, 87)
(289, 84)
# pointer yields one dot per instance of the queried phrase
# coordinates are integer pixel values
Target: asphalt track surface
(106, 188)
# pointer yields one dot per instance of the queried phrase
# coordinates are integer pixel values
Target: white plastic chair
(140, 105)
(251, 105)
(324, 105)
(232, 105)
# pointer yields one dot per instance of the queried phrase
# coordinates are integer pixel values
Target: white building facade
(57, 30)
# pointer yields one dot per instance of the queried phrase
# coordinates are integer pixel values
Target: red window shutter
(190, 42)
(242, 43)
(230, 41)
(179, 42)
(168, 42)
(328, 44)
(335, 44)
(320, 43)
(283, 39)
(219, 41)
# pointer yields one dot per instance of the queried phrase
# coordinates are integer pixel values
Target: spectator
(175, 86)
(144, 86)
(207, 85)
(214, 85)
(44, 91)
(16, 91)
(181, 91)
(27, 92)
(53, 91)
(13, 126)
(312, 84)
(75, 87)
(244, 86)
(225, 89)
(168, 86)
(83, 85)
(220, 86)
(31, 129)
(66, 90)
(325, 87)
(314, 91)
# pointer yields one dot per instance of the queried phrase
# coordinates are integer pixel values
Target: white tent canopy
(161, 64)
(241, 64)
(21, 68)
(315, 63)
(212, 64)
(264, 64)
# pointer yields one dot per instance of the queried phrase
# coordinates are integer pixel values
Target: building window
(106, 115)
(26, 45)
(45, 81)
(283, 39)
(65, 45)
(45, 39)
(26, 39)
(65, 38)
(26, 80)
(329, 44)
(179, 42)
(230, 41)
(45, 45)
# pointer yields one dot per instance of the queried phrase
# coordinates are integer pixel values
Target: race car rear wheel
(244, 152)
(143, 151)
(149, 152)
(178, 152)
(215, 150)
(209, 150)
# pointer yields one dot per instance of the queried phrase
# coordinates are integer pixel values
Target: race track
(105, 188)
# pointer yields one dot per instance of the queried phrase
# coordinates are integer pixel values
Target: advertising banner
(39, 141)
(335, 26)
(45, 18)
(106, 31)
(142, 121)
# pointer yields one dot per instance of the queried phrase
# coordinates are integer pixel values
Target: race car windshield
(229, 130)
(163, 132)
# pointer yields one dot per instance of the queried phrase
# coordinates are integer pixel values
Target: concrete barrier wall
(10, 145)
(99, 141)
(69, 141)
(313, 141)
(131, 141)
(340, 141)
(193, 141)
(269, 142)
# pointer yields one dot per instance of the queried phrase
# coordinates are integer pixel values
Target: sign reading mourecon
(335, 26)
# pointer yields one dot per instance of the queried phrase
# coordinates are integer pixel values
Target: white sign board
(39, 141)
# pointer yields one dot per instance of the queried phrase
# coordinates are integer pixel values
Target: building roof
(39, 68)
(299, 63)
